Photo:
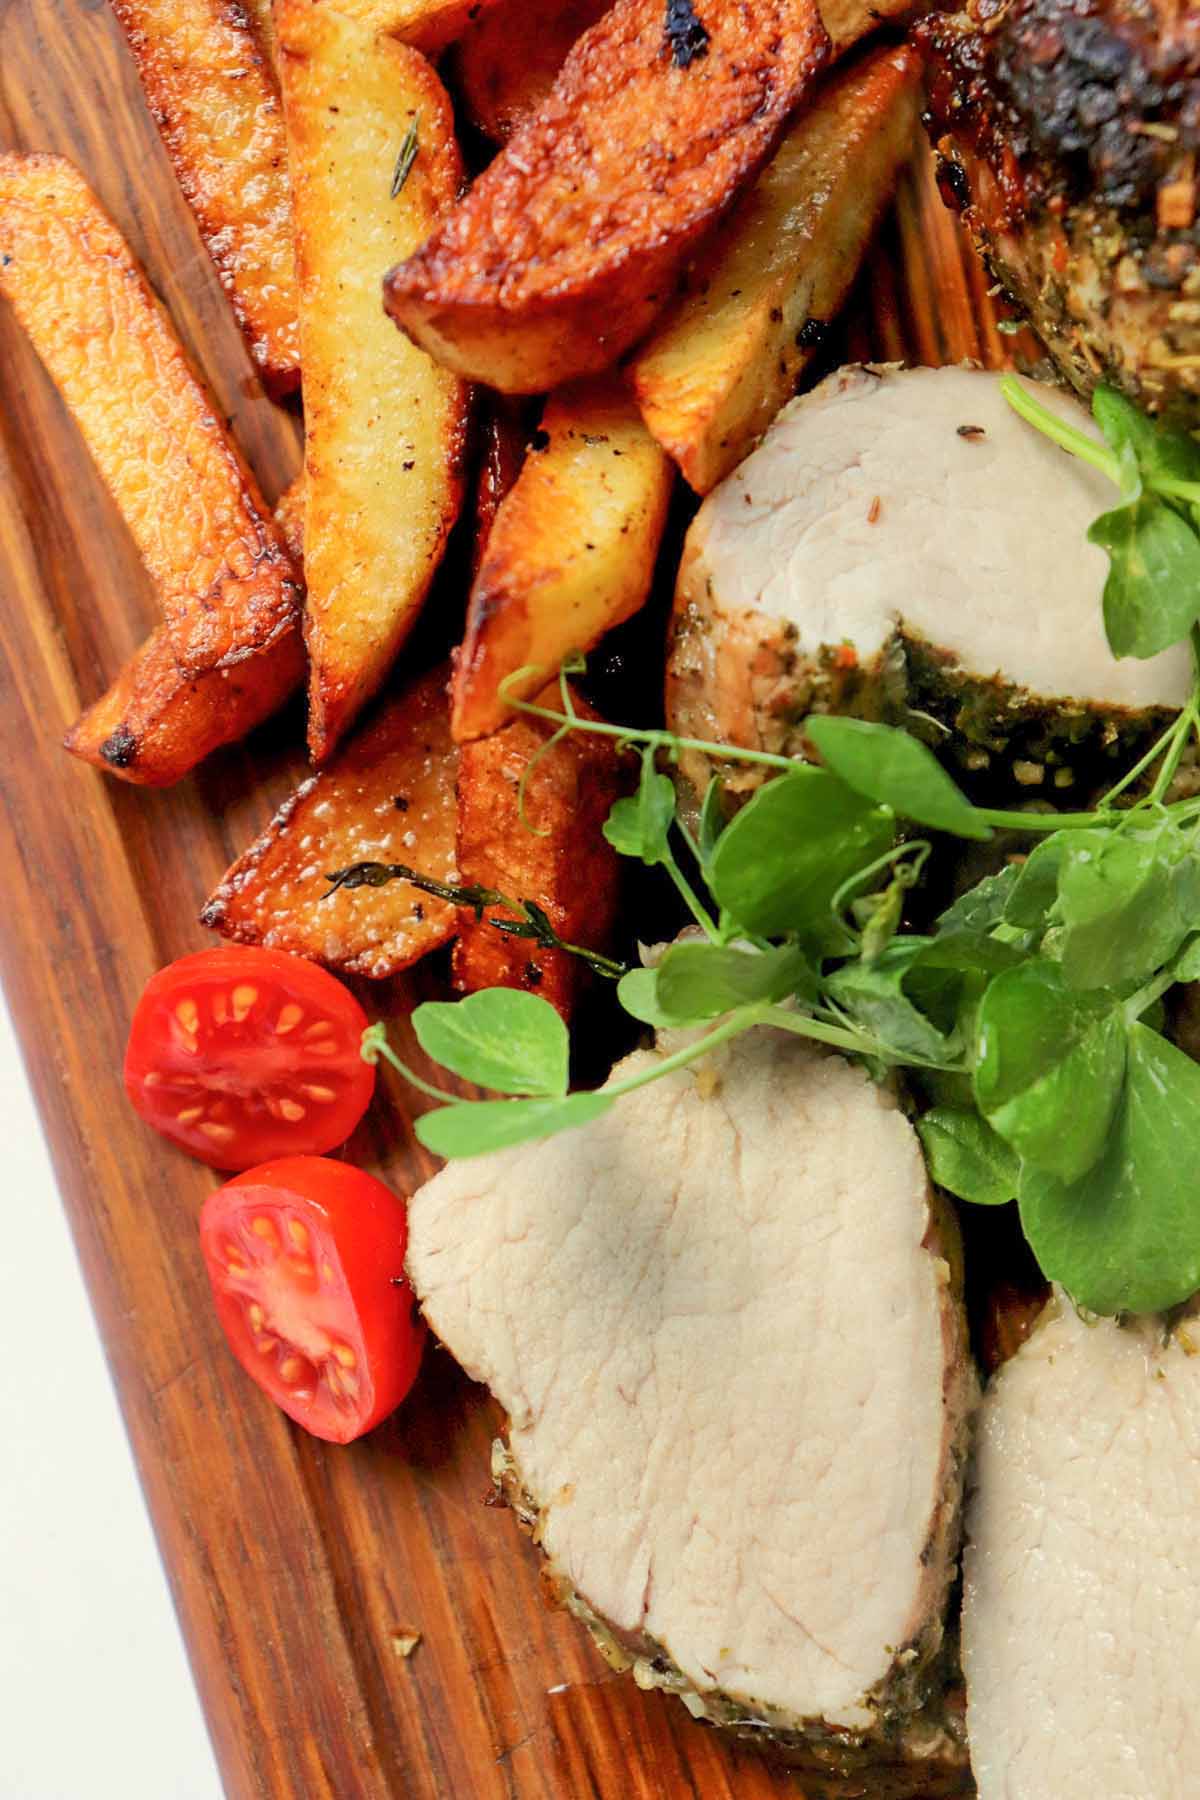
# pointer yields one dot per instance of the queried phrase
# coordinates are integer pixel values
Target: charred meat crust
(1070, 130)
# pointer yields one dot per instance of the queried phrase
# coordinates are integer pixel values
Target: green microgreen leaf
(638, 993)
(1126, 901)
(712, 820)
(698, 981)
(983, 905)
(1126, 1236)
(873, 996)
(779, 863)
(1050, 1065)
(968, 1158)
(499, 1038)
(896, 770)
(639, 825)
(1035, 887)
(476, 1127)
(1152, 594)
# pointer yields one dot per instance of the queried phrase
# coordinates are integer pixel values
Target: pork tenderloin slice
(1081, 1611)
(902, 545)
(723, 1326)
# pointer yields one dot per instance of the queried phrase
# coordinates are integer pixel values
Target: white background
(96, 1700)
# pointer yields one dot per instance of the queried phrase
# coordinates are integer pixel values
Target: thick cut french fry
(569, 244)
(571, 552)
(551, 851)
(507, 61)
(229, 648)
(213, 94)
(374, 165)
(388, 796)
(757, 302)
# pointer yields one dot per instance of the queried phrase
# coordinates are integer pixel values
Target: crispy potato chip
(374, 165)
(571, 552)
(387, 796)
(570, 242)
(507, 60)
(758, 300)
(209, 84)
(556, 855)
(229, 648)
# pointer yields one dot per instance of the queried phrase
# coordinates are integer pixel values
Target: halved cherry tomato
(241, 1054)
(306, 1260)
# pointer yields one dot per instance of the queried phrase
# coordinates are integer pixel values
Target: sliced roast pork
(723, 1323)
(1081, 1611)
(902, 545)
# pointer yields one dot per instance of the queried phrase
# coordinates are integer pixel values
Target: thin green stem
(698, 912)
(1166, 775)
(1178, 490)
(1068, 437)
(1160, 745)
(375, 1044)
(655, 739)
(743, 1019)
(1020, 821)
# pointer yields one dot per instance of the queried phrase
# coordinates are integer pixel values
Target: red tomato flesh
(238, 1055)
(306, 1260)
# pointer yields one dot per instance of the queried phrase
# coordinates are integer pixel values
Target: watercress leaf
(1119, 899)
(1161, 452)
(638, 824)
(1049, 1067)
(712, 820)
(873, 997)
(1126, 1236)
(893, 769)
(638, 993)
(476, 1127)
(970, 951)
(967, 1158)
(1035, 888)
(1187, 968)
(499, 1038)
(982, 906)
(1152, 594)
(780, 861)
(698, 981)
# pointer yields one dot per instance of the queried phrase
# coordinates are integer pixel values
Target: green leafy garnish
(1027, 1016)
(1126, 1236)
(967, 1158)
(500, 1038)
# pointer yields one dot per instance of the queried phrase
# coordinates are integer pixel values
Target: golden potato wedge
(713, 375)
(427, 25)
(384, 428)
(229, 648)
(262, 20)
(388, 796)
(289, 516)
(557, 856)
(506, 61)
(209, 84)
(849, 21)
(569, 244)
(501, 455)
(194, 687)
(571, 552)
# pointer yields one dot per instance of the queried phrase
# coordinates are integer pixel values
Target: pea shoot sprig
(1027, 1019)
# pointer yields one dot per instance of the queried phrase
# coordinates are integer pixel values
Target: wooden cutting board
(296, 1568)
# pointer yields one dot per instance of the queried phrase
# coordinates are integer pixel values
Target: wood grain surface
(294, 1566)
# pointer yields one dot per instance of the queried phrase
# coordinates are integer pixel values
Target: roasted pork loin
(1069, 130)
(889, 550)
(1082, 1577)
(724, 1323)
